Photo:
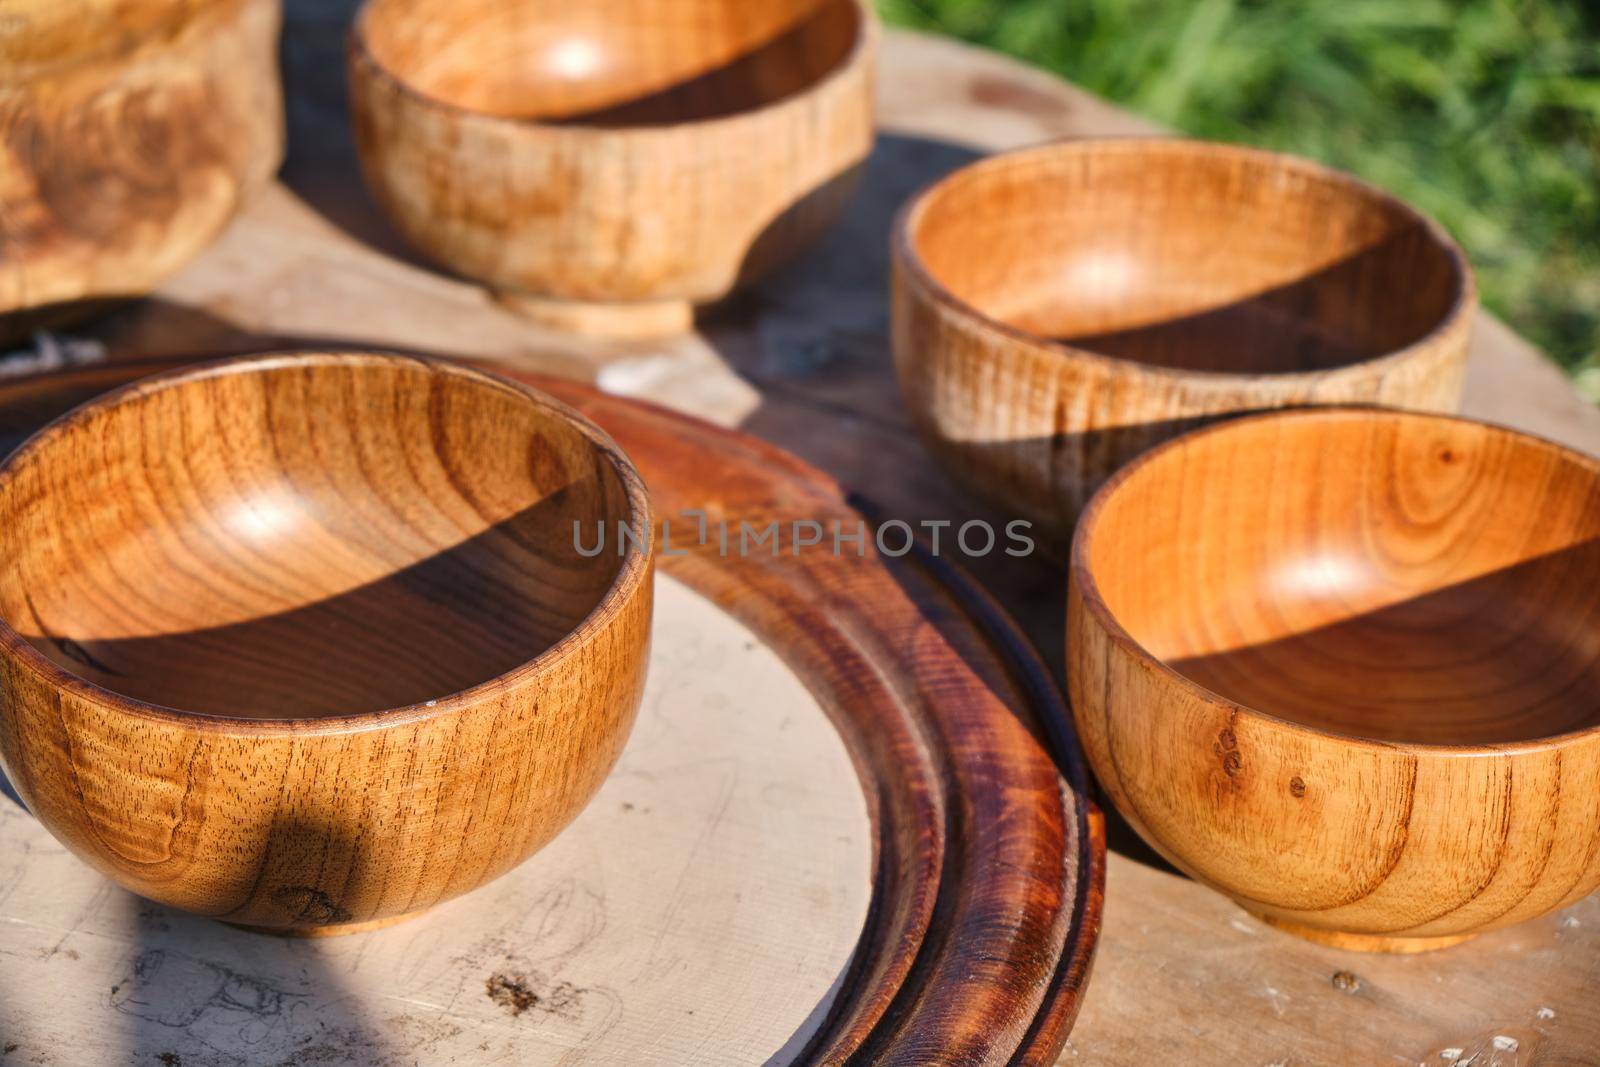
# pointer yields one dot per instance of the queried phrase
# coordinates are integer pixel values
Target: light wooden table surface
(1182, 976)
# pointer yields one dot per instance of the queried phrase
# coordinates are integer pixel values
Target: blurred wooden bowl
(130, 133)
(1342, 666)
(1060, 309)
(306, 643)
(609, 165)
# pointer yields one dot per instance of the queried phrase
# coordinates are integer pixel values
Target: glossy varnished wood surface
(803, 361)
(989, 850)
(1397, 579)
(304, 642)
(574, 957)
(309, 539)
(1341, 665)
(131, 131)
(624, 63)
(988, 857)
(608, 166)
(1060, 309)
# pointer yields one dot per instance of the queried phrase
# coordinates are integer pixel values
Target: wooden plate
(729, 897)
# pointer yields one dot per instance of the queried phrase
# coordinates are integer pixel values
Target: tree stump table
(1182, 976)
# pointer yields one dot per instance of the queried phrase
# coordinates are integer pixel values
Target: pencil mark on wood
(177, 991)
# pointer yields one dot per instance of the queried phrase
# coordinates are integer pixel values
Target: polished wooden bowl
(1060, 309)
(307, 643)
(608, 165)
(131, 131)
(1343, 664)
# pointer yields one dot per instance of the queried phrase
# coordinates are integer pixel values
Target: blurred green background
(1484, 113)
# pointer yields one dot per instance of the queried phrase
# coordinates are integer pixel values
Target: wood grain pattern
(1341, 665)
(306, 643)
(988, 851)
(131, 131)
(987, 890)
(609, 165)
(601, 937)
(800, 361)
(1059, 309)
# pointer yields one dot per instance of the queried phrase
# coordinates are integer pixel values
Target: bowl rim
(1082, 580)
(185, 24)
(1457, 317)
(359, 53)
(631, 579)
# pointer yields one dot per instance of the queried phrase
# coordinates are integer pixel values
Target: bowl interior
(1376, 574)
(306, 536)
(610, 62)
(1187, 255)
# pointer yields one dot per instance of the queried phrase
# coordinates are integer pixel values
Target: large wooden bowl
(130, 133)
(306, 642)
(611, 164)
(1060, 309)
(1343, 666)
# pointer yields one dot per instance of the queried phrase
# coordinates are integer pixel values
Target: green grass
(1483, 113)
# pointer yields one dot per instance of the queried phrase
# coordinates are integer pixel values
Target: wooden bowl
(1060, 309)
(130, 133)
(1342, 666)
(608, 165)
(306, 643)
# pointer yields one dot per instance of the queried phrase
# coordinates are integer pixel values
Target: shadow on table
(321, 166)
(191, 990)
(814, 339)
(194, 990)
(1043, 692)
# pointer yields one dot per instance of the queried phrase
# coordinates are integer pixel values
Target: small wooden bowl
(306, 643)
(130, 133)
(1342, 666)
(1060, 309)
(608, 165)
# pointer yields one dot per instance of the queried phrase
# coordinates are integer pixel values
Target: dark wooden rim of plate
(989, 850)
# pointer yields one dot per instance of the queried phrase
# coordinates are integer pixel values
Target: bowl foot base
(1404, 946)
(332, 930)
(651, 318)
